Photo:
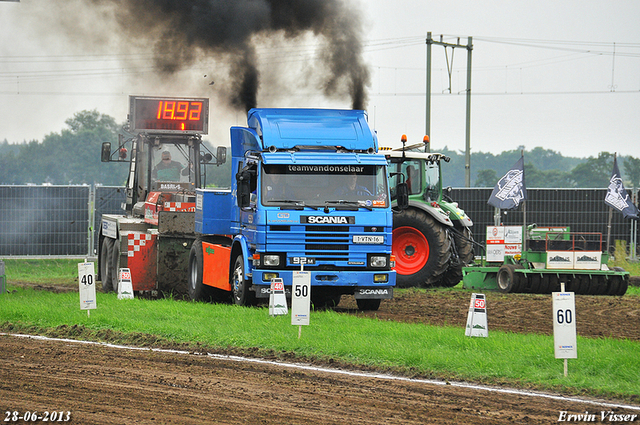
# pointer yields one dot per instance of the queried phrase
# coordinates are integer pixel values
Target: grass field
(605, 367)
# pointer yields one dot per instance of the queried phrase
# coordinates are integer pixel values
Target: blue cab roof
(286, 128)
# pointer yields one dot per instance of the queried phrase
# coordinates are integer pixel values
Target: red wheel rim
(411, 250)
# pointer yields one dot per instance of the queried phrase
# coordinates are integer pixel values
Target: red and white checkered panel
(179, 206)
(142, 253)
(137, 240)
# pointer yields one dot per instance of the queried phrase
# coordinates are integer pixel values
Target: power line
(532, 93)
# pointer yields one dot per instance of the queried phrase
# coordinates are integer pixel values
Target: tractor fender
(241, 246)
(439, 214)
(456, 213)
(465, 221)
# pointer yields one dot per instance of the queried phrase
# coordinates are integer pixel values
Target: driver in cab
(168, 170)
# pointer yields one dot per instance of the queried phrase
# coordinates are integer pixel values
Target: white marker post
(564, 326)
(87, 287)
(300, 299)
(277, 298)
(477, 317)
(125, 286)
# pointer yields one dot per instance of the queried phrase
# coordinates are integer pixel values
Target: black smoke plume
(183, 31)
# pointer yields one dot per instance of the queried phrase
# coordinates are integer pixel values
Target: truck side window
(247, 183)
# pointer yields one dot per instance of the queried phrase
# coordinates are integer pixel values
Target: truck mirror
(106, 152)
(402, 195)
(221, 155)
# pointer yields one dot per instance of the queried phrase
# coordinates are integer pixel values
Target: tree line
(73, 157)
(543, 168)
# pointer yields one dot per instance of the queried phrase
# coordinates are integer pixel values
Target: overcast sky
(544, 73)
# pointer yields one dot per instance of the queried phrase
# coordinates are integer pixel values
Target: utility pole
(469, 47)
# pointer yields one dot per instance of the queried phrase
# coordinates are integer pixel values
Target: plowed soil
(596, 316)
(100, 384)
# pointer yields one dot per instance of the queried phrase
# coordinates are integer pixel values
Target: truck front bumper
(362, 284)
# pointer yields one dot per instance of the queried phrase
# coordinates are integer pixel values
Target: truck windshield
(289, 185)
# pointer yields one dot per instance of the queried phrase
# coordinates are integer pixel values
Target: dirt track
(103, 385)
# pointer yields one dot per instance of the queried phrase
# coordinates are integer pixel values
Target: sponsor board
(588, 260)
(109, 229)
(503, 240)
(560, 259)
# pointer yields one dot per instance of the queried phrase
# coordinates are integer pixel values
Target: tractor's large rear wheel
(461, 255)
(422, 248)
(464, 243)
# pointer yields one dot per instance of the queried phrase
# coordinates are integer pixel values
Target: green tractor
(432, 237)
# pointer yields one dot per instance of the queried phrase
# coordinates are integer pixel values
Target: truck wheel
(324, 298)
(197, 290)
(422, 248)
(240, 284)
(105, 263)
(508, 279)
(368, 304)
(115, 266)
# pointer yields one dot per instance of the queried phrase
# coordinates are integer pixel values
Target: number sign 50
(301, 290)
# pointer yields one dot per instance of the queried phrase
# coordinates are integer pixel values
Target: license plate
(368, 239)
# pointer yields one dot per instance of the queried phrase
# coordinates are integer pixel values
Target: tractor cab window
(432, 178)
(171, 163)
(411, 170)
(412, 176)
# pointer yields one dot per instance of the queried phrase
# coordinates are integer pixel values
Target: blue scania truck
(308, 190)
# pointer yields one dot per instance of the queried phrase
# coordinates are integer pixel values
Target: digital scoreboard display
(169, 114)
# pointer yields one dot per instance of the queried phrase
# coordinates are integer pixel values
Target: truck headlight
(271, 260)
(378, 261)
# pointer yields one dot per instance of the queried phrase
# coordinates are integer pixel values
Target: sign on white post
(87, 286)
(564, 325)
(125, 286)
(477, 317)
(300, 299)
(277, 298)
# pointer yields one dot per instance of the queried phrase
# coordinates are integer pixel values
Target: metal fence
(53, 220)
(64, 220)
(583, 210)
